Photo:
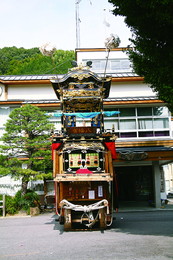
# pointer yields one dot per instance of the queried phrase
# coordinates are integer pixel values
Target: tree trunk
(24, 185)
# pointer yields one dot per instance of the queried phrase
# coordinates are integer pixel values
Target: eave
(129, 102)
(100, 49)
(24, 82)
(37, 103)
(125, 79)
(144, 143)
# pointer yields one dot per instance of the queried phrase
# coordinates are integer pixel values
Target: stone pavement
(133, 236)
(130, 206)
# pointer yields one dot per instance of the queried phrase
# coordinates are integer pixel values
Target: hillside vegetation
(20, 61)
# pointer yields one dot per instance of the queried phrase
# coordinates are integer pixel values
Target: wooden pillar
(56, 196)
(102, 218)
(3, 205)
(110, 163)
(68, 220)
(157, 183)
(55, 163)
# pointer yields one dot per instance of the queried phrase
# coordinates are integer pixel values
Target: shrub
(10, 205)
(30, 199)
(19, 202)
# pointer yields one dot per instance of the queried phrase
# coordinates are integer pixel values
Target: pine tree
(26, 152)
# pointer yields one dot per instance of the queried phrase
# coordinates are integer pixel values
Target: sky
(33, 23)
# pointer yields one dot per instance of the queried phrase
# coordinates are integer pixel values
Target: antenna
(77, 24)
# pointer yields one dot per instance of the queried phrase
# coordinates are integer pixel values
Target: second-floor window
(113, 65)
(133, 122)
(140, 122)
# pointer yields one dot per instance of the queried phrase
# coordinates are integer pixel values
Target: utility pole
(77, 23)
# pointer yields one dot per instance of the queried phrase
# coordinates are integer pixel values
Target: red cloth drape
(112, 148)
(83, 171)
(55, 146)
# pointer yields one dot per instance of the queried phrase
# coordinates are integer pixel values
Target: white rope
(87, 210)
(108, 225)
(98, 205)
(91, 220)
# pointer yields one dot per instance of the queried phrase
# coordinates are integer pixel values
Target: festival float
(83, 151)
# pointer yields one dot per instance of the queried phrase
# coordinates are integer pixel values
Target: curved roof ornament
(112, 42)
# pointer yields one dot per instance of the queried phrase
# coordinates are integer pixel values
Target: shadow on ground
(157, 223)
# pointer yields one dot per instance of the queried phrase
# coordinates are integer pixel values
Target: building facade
(144, 126)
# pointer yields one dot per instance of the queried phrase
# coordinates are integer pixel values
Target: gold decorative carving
(80, 76)
(91, 85)
(80, 93)
(82, 85)
(71, 86)
(80, 104)
(84, 146)
(133, 155)
(80, 67)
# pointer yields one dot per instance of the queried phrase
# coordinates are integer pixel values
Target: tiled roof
(49, 101)
(49, 76)
(120, 75)
(131, 98)
(108, 99)
(27, 77)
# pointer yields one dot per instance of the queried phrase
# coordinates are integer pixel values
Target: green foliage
(38, 64)
(10, 205)
(27, 135)
(62, 60)
(4, 170)
(152, 26)
(20, 202)
(10, 54)
(30, 199)
(20, 61)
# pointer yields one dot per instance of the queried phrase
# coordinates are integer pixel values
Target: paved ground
(133, 236)
(130, 206)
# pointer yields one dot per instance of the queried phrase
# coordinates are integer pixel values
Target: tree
(10, 54)
(152, 26)
(63, 60)
(25, 152)
(20, 61)
(37, 64)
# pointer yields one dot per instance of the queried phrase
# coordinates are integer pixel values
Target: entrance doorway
(135, 183)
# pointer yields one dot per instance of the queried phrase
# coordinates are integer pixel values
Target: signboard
(81, 130)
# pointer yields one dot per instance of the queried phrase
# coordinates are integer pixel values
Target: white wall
(168, 171)
(83, 55)
(134, 89)
(46, 92)
(9, 186)
(2, 92)
(31, 92)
